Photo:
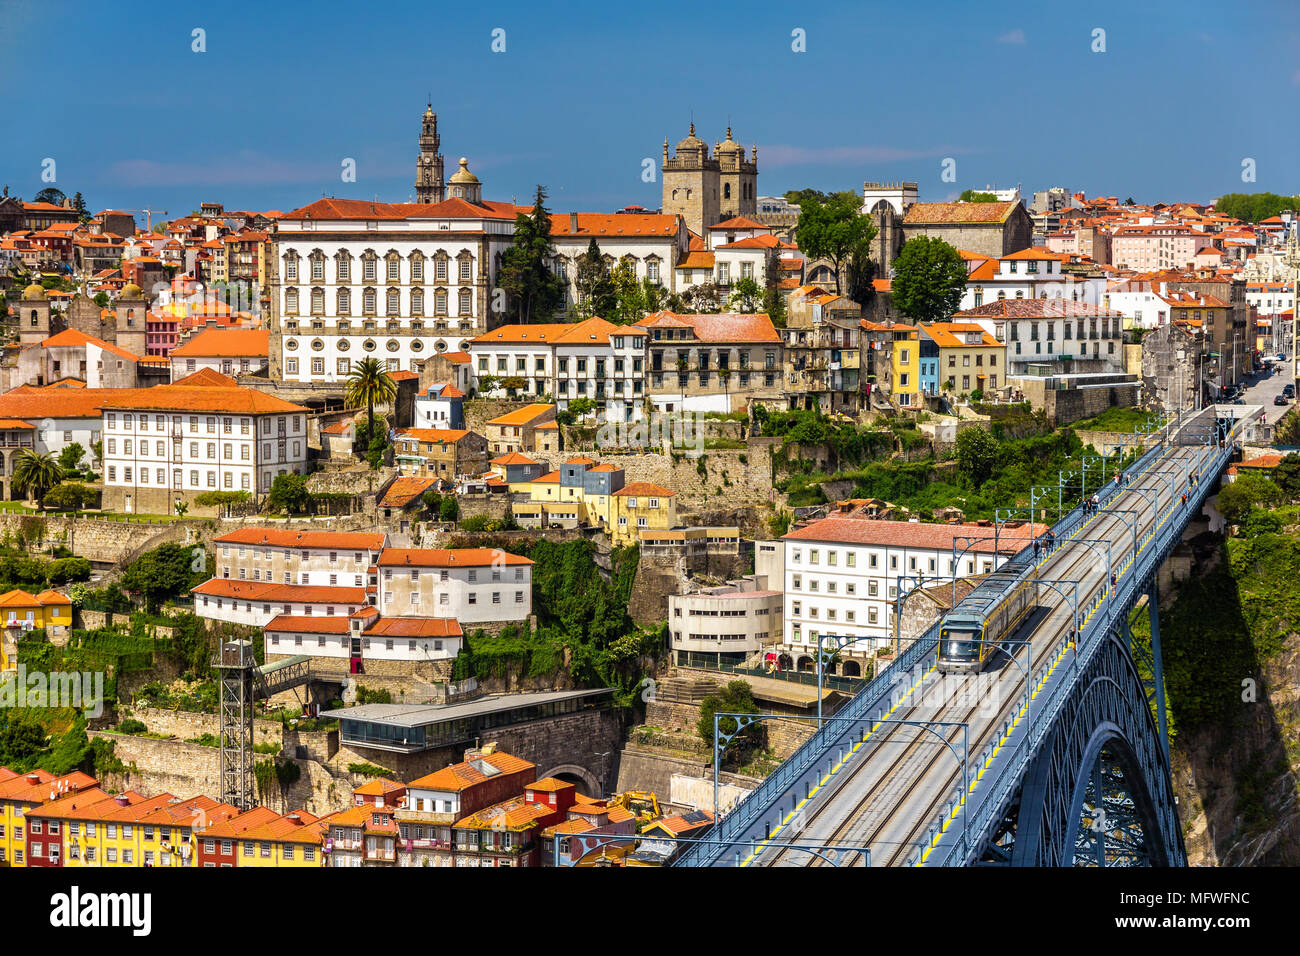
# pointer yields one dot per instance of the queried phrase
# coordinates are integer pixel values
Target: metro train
(969, 635)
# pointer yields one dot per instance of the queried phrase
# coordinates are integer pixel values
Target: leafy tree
(288, 494)
(582, 406)
(34, 475)
(165, 572)
(801, 196)
(929, 278)
(746, 295)
(208, 499)
(370, 384)
(449, 510)
(1236, 501)
(102, 300)
(378, 449)
(534, 292)
(79, 204)
(66, 570)
(596, 294)
(70, 457)
(181, 509)
(22, 739)
(486, 383)
(860, 274)
(513, 384)
(98, 449)
(977, 455)
(835, 230)
(1287, 475)
(51, 195)
(70, 496)
(1252, 207)
(432, 500)
(635, 298)
(703, 299)
(970, 195)
(736, 698)
(774, 306)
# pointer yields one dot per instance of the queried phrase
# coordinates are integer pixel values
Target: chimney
(121, 800)
(573, 222)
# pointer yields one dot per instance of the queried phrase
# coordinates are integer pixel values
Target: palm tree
(369, 383)
(34, 475)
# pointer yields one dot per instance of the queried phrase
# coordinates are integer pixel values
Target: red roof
(321, 540)
(444, 558)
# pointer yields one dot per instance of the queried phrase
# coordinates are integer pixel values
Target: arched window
(368, 300)
(465, 304)
(440, 302)
(290, 301)
(344, 302)
(417, 267)
(393, 302)
(726, 190)
(417, 302)
(318, 299)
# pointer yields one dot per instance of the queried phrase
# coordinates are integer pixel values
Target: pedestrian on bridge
(1037, 546)
(1051, 540)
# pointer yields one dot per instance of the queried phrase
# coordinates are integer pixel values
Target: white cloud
(1016, 36)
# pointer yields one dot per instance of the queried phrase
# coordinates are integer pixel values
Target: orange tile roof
(415, 627)
(241, 823)
(447, 390)
(941, 213)
(912, 534)
(326, 540)
(37, 786)
(697, 259)
(644, 489)
(72, 338)
(522, 416)
(306, 624)
(444, 558)
(364, 209)
(448, 435)
(281, 593)
(405, 490)
(15, 423)
(223, 343)
(627, 225)
(718, 327)
(460, 776)
(593, 331)
(514, 458)
(739, 222)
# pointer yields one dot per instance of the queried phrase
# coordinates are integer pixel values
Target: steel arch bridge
(1076, 773)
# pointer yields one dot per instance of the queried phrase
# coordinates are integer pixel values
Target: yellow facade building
(905, 371)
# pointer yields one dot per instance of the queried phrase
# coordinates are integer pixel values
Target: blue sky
(584, 92)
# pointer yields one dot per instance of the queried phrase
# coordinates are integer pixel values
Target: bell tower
(429, 186)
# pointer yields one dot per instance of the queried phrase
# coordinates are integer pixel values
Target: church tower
(737, 180)
(690, 183)
(429, 185)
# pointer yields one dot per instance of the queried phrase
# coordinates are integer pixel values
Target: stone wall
(641, 768)
(656, 579)
(479, 411)
(747, 478)
(360, 480)
(100, 540)
(186, 725)
(493, 506)
(1066, 405)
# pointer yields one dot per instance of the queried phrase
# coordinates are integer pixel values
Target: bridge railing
(751, 809)
(985, 813)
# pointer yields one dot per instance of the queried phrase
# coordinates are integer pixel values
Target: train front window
(960, 645)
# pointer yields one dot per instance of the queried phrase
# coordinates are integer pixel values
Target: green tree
(165, 572)
(860, 274)
(977, 455)
(288, 495)
(929, 278)
(22, 740)
(1252, 207)
(377, 450)
(513, 384)
(970, 195)
(534, 292)
(70, 457)
(596, 294)
(51, 195)
(746, 295)
(102, 300)
(432, 500)
(582, 406)
(34, 475)
(449, 510)
(736, 698)
(70, 496)
(703, 299)
(835, 230)
(635, 298)
(1287, 475)
(1236, 501)
(369, 384)
(79, 204)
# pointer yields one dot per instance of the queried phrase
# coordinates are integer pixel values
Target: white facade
(55, 434)
(472, 595)
(257, 606)
(397, 289)
(225, 365)
(1021, 278)
(302, 636)
(193, 452)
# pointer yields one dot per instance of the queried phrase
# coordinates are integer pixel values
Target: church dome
(729, 145)
(692, 142)
(131, 291)
(463, 175)
(33, 291)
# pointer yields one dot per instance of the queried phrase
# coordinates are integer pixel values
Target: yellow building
(579, 493)
(49, 609)
(21, 794)
(905, 371)
(640, 506)
(969, 357)
(293, 840)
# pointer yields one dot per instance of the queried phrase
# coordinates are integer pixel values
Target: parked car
(1281, 400)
